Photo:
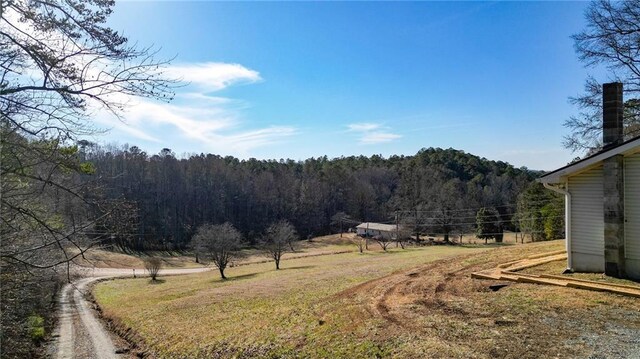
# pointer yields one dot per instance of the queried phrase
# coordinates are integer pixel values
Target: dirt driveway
(80, 334)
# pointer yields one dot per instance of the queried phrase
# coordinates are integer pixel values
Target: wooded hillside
(161, 199)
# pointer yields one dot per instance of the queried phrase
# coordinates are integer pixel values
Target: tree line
(158, 201)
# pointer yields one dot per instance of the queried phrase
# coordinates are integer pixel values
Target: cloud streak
(378, 137)
(363, 127)
(372, 133)
(214, 122)
(213, 76)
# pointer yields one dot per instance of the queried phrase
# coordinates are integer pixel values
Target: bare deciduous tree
(221, 244)
(338, 221)
(277, 240)
(611, 38)
(153, 266)
(383, 241)
(402, 236)
(359, 242)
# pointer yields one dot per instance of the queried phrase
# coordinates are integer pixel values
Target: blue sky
(306, 79)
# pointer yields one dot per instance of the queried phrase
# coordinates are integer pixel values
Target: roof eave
(560, 175)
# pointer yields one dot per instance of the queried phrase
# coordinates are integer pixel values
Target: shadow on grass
(298, 267)
(234, 278)
(157, 281)
(391, 250)
(488, 245)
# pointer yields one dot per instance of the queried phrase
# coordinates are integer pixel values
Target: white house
(602, 199)
(370, 229)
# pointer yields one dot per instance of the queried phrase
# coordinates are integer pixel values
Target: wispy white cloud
(213, 76)
(214, 122)
(365, 126)
(378, 137)
(372, 133)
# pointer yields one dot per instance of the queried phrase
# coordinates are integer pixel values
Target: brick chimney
(612, 108)
(613, 181)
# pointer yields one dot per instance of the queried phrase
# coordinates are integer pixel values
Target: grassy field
(101, 258)
(470, 238)
(406, 304)
(259, 311)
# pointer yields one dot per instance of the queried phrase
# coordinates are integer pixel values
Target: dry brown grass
(259, 311)
(401, 304)
(508, 238)
(100, 258)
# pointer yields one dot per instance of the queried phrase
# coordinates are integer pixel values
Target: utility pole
(366, 237)
(397, 227)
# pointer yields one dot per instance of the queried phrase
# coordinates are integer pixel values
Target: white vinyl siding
(632, 206)
(587, 212)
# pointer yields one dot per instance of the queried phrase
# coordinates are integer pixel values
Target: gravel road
(80, 334)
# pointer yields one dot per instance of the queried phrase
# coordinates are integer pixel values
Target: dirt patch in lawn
(444, 313)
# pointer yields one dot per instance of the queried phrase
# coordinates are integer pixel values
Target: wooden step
(605, 288)
(536, 256)
(508, 271)
(505, 265)
(632, 287)
(533, 263)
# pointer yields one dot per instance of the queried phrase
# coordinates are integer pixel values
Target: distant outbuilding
(371, 229)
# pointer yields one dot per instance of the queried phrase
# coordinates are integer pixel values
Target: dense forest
(158, 201)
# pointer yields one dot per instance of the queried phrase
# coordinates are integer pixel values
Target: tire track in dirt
(65, 324)
(417, 285)
(102, 344)
(450, 315)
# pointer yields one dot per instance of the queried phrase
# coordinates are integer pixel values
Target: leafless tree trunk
(59, 65)
(359, 242)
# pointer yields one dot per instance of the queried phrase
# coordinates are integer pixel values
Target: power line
(468, 209)
(453, 223)
(474, 234)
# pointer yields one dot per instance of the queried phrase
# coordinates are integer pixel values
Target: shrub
(36, 327)
(153, 265)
